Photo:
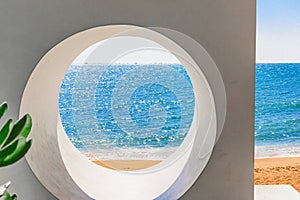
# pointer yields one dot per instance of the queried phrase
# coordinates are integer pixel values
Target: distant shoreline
(117, 64)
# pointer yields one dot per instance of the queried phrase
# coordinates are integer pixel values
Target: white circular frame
(66, 173)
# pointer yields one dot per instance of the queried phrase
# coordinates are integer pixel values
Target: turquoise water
(126, 107)
(277, 110)
(151, 107)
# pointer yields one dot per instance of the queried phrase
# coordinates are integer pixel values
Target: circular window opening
(72, 174)
(126, 103)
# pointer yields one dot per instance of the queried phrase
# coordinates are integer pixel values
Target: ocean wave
(277, 107)
(129, 153)
(277, 150)
(137, 106)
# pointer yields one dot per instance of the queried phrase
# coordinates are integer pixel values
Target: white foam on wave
(277, 150)
(130, 153)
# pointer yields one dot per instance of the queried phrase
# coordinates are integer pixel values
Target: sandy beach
(268, 171)
(273, 171)
(127, 165)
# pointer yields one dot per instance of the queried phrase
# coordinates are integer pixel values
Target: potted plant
(14, 144)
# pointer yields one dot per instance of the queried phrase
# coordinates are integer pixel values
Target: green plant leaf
(14, 197)
(5, 196)
(4, 132)
(21, 128)
(9, 149)
(13, 140)
(15, 151)
(18, 153)
(3, 108)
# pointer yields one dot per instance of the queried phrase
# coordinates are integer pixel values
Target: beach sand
(273, 171)
(127, 165)
(268, 171)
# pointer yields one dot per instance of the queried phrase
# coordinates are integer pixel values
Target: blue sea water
(151, 107)
(277, 109)
(137, 107)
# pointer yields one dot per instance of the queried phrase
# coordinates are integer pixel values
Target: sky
(277, 40)
(278, 31)
(125, 50)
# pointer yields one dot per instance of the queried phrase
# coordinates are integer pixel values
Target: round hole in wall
(66, 172)
(126, 109)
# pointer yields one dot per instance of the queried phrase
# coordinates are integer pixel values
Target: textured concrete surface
(226, 29)
(275, 192)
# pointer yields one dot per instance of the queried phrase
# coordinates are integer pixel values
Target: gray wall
(226, 28)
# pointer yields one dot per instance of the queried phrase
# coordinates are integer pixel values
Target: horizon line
(124, 63)
(279, 62)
